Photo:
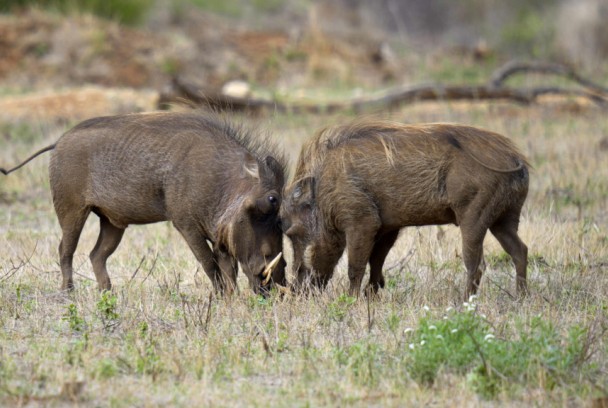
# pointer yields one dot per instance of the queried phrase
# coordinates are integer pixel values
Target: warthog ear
(271, 172)
(251, 167)
(304, 192)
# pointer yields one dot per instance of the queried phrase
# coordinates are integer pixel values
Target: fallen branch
(514, 67)
(182, 91)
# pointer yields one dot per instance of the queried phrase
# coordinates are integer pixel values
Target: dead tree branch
(511, 68)
(181, 91)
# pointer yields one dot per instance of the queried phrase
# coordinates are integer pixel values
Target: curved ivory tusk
(267, 274)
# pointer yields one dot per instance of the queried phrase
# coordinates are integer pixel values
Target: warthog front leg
(360, 243)
(199, 246)
(228, 271)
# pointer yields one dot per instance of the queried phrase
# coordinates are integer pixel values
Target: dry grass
(174, 344)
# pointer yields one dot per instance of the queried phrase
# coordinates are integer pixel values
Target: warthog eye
(268, 204)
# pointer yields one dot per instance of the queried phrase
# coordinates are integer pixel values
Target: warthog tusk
(267, 274)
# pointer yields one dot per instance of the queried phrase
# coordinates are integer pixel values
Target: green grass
(125, 11)
(162, 338)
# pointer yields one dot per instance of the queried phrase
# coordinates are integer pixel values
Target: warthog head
(249, 229)
(315, 250)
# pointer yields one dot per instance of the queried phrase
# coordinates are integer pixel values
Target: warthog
(356, 186)
(215, 182)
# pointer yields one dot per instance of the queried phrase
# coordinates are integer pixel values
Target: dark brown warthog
(356, 186)
(215, 182)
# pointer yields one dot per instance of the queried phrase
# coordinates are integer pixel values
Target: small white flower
(449, 309)
(454, 331)
(445, 318)
(426, 308)
(432, 327)
(439, 336)
(466, 304)
(488, 337)
(472, 298)
(407, 330)
(483, 316)
(423, 342)
(412, 346)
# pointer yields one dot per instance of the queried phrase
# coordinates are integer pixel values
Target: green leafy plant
(464, 343)
(76, 322)
(106, 309)
(106, 305)
(449, 343)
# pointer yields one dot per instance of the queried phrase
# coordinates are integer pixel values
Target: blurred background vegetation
(531, 27)
(292, 44)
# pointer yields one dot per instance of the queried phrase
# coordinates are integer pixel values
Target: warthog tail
(39, 152)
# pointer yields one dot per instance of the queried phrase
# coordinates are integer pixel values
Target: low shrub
(464, 342)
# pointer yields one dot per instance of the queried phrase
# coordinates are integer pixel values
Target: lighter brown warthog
(217, 183)
(356, 186)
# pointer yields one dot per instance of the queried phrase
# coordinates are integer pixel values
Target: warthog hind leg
(505, 232)
(383, 245)
(472, 254)
(109, 238)
(71, 223)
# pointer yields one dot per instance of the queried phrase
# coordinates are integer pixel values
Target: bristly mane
(314, 151)
(253, 140)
